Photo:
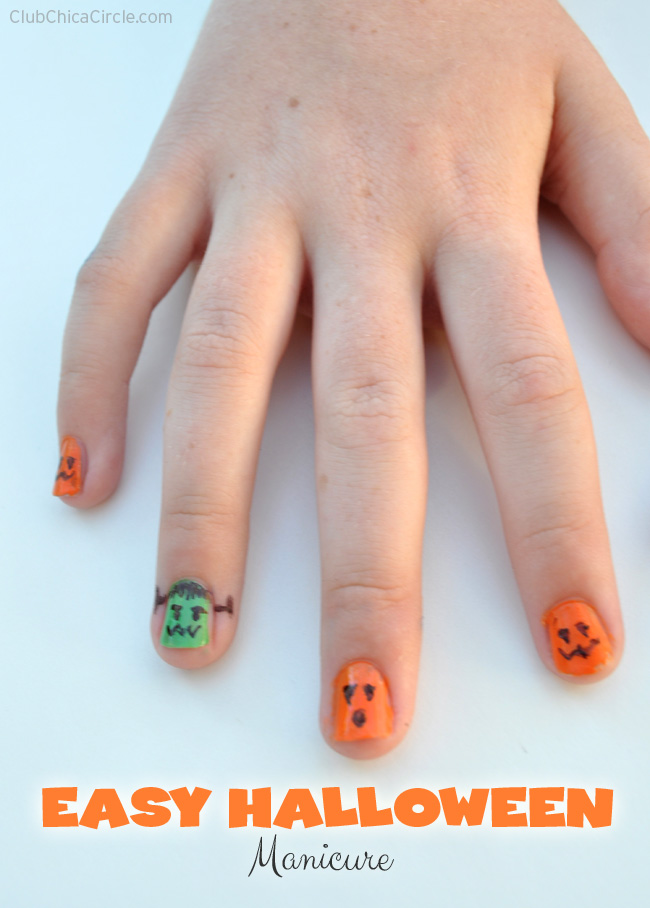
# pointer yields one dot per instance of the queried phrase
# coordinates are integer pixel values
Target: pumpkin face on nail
(579, 642)
(68, 479)
(361, 704)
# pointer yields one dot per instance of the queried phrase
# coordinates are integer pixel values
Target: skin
(361, 158)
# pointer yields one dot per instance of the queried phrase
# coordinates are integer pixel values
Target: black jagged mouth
(173, 629)
(61, 473)
(582, 651)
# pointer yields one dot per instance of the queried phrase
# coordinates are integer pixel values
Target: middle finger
(372, 472)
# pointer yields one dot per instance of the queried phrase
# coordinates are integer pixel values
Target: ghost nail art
(361, 706)
(579, 642)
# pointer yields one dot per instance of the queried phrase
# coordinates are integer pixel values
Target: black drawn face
(576, 641)
(66, 468)
(186, 618)
(366, 694)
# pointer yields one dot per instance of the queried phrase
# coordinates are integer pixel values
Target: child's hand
(377, 151)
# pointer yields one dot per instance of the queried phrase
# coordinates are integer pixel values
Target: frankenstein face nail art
(361, 703)
(186, 616)
(68, 475)
(579, 642)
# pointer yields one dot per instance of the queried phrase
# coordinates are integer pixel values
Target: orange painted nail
(579, 642)
(361, 703)
(68, 477)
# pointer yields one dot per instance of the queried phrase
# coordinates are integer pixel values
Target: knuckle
(554, 532)
(482, 225)
(223, 339)
(179, 157)
(367, 407)
(113, 265)
(364, 592)
(101, 272)
(81, 374)
(87, 376)
(483, 212)
(194, 513)
(537, 380)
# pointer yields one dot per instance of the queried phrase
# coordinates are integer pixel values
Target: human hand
(379, 154)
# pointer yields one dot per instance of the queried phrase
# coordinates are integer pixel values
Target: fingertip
(601, 675)
(369, 749)
(88, 474)
(186, 659)
(359, 719)
(578, 645)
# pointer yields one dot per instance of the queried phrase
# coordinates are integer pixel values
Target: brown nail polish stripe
(229, 607)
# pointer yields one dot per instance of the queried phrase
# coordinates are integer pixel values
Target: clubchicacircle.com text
(515, 806)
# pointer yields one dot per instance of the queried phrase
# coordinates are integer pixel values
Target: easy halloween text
(149, 807)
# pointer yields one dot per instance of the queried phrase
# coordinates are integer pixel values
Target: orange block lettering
(239, 808)
(504, 807)
(541, 806)
(298, 804)
(55, 804)
(190, 805)
(598, 812)
(153, 813)
(406, 801)
(104, 804)
(333, 809)
(471, 811)
(368, 813)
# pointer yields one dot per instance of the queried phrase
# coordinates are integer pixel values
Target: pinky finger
(146, 245)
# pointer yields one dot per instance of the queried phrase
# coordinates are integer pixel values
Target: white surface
(86, 701)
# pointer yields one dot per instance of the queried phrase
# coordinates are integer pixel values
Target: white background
(85, 700)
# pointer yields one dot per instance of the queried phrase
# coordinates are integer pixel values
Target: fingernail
(186, 616)
(361, 703)
(69, 476)
(579, 642)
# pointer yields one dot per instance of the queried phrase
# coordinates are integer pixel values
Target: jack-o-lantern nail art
(69, 476)
(579, 642)
(362, 706)
(186, 616)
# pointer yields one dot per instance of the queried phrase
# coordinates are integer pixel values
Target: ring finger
(236, 327)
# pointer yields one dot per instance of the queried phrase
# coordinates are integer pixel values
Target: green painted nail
(186, 617)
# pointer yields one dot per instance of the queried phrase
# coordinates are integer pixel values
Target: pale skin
(359, 158)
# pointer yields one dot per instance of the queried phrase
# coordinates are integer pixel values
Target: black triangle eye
(369, 691)
(564, 634)
(583, 628)
(348, 692)
(70, 462)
